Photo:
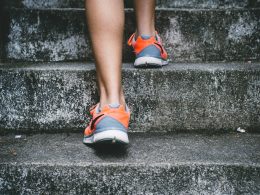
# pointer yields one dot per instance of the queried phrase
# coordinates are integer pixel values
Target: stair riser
(98, 179)
(2, 49)
(160, 3)
(49, 100)
(197, 35)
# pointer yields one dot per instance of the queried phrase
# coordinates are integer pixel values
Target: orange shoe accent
(140, 44)
(119, 114)
(92, 109)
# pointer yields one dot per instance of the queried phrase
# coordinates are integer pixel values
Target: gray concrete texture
(189, 35)
(151, 164)
(2, 19)
(36, 4)
(55, 97)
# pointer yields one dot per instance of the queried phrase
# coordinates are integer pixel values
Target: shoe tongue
(114, 105)
(146, 37)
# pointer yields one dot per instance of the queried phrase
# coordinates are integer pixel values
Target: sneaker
(108, 125)
(148, 50)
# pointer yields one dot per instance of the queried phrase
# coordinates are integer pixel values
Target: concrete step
(160, 3)
(189, 35)
(152, 164)
(54, 97)
(2, 34)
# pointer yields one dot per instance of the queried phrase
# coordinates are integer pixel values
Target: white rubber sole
(149, 62)
(115, 136)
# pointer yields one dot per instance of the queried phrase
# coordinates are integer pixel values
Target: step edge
(129, 10)
(123, 164)
(81, 66)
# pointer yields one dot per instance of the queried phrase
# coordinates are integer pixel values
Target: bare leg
(106, 21)
(145, 16)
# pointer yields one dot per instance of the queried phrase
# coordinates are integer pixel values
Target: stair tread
(239, 149)
(132, 10)
(176, 3)
(84, 66)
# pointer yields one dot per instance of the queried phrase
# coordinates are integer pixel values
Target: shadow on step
(108, 150)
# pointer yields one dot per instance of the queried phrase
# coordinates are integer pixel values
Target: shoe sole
(108, 136)
(149, 62)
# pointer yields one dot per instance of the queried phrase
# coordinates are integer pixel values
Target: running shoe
(108, 125)
(149, 51)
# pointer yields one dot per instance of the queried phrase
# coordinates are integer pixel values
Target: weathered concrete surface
(152, 164)
(2, 18)
(205, 4)
(160, 3)
(185, 97)
(189, 35)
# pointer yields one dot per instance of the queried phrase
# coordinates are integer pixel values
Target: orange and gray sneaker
(108, 125)
(148, 50)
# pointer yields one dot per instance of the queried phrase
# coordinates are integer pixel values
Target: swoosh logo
(94, 121)
(159, 46)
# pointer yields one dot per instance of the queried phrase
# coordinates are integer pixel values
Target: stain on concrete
(242, 28)
(175, 39)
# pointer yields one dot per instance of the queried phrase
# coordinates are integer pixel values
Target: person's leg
(145, 41)
(145, 17)
(110, 118)
(106, 21)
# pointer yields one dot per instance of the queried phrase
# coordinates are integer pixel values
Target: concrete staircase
(184, 116)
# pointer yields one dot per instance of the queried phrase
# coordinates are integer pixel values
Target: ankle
(114, 98)
(146, 33)
(111, 101)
